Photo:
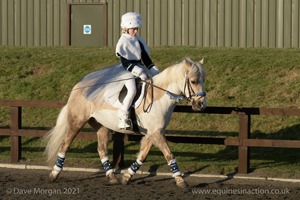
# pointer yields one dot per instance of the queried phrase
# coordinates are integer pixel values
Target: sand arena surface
(34, 184)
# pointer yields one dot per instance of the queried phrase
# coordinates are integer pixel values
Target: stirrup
(124, 123)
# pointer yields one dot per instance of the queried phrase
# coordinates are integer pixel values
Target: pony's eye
(194, 82)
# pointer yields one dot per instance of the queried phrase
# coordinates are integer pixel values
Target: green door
(87, 25)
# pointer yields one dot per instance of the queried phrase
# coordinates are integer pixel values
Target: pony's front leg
(160, 141)
(102, 135)
(145, 147)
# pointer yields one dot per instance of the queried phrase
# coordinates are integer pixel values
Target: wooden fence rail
(243, 142)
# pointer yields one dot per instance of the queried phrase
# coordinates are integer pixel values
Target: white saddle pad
(105, 85)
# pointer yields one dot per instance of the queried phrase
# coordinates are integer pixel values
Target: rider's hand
(143, 76)
(137, 71)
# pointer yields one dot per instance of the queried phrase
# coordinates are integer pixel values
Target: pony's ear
(202, 61)
(188, 61)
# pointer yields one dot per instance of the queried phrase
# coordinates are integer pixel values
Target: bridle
(178, 97)
(191, 92)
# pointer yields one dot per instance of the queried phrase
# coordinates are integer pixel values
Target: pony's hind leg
(146, 145)
(67, 127)
(160, 141)
(69, 137)
(102, 136)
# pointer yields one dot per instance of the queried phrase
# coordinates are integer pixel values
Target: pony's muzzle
(199, 104)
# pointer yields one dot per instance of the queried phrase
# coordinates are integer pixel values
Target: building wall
(209, 23)
(33, 22)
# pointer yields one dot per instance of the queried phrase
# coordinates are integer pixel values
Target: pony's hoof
(112, 179)
(180, 182)
(53, 175)
(126, 178)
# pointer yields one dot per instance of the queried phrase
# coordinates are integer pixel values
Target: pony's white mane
(177, 72)
(170, 74)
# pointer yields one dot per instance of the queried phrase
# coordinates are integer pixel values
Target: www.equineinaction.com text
(241, 191)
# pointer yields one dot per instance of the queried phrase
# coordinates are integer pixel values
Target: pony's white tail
(55, 136)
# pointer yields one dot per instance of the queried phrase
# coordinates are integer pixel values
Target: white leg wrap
(61, 155)
(103, 160)
(134, 167)
(131, 172)
(172, 161)
(139, 162)
(59, 162)
(56, 168)
(174, 168)
(106, 165)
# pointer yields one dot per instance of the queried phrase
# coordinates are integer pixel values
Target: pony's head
(194, 83)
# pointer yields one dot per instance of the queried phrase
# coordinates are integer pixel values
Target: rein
(178, 97)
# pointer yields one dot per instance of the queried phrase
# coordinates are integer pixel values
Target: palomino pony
(95, 100)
